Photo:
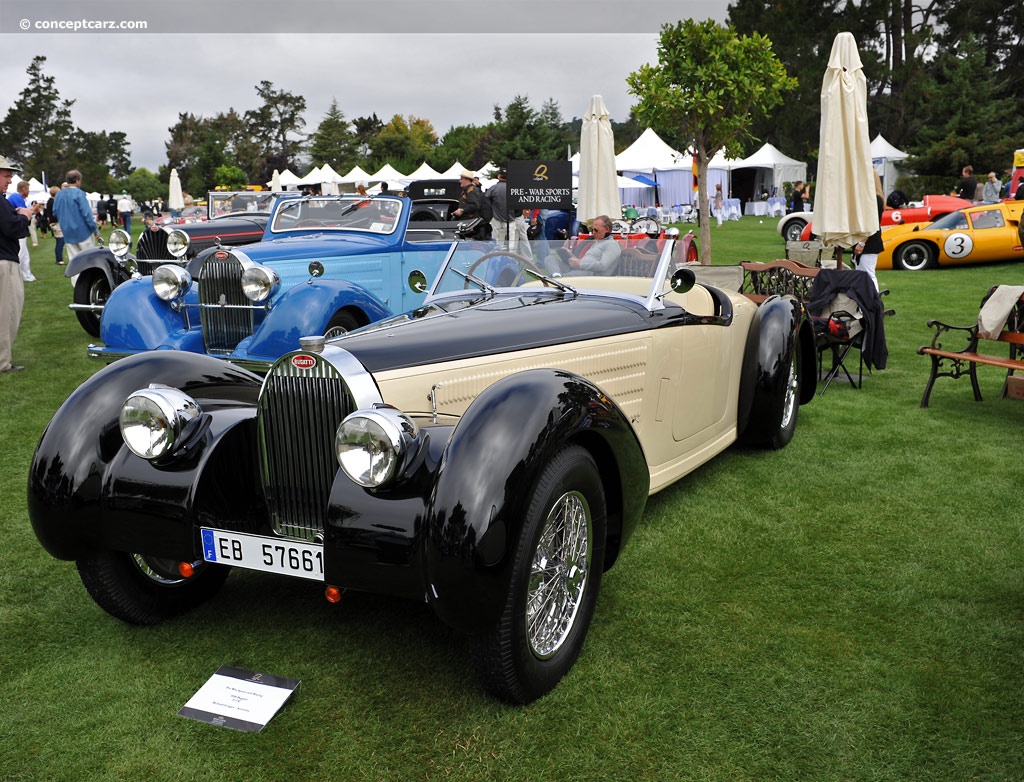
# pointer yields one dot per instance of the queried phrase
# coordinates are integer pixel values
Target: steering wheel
(525, 264)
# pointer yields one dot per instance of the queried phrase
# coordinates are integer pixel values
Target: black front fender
(99, 258)
(488, 473)
(85, 490)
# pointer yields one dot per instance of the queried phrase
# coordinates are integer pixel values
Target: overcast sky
(447, 61)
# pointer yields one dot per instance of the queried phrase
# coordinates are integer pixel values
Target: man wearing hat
(13, 229)
(72, 210)
(124, 209)
(469, 200)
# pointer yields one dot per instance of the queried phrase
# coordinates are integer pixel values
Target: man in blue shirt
(17, 200)
(74, 214)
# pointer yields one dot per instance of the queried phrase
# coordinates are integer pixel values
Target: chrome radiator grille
(152, 246)
(299, 412)
(230, 319)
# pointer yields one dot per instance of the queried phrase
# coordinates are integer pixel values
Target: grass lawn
(849, 608)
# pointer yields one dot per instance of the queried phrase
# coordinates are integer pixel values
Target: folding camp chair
(847, 314)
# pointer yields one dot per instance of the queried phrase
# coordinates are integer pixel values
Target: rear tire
(146, 590)
(92, 288)
(556, 576)
(793, 229)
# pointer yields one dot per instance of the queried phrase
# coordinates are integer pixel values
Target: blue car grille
(299, 412)
(226, 315)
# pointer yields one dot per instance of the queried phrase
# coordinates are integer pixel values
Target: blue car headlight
(171, 282)
(259, 283)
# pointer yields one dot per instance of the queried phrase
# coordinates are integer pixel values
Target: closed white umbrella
(275, 182)
(845, 210)
(599, 184)
(175, 200)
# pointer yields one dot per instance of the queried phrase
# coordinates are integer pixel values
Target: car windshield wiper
(483, 285)
(551, 281)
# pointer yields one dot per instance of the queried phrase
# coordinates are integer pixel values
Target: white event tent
(775, 168)
(884, 157)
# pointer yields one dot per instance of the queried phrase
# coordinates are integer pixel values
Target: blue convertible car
(326, 265)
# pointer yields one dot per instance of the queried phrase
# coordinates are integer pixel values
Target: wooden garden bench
(957, 363)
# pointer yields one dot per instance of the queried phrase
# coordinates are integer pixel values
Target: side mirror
(418, 281)
(316, 269)
(682, 280)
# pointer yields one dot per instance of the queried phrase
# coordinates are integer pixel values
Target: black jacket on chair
(859, 287)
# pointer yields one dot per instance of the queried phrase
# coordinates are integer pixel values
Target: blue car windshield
(338, 213)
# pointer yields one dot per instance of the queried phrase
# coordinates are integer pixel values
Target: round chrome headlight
(372, 445)
(177, 242)
(171, 282)
(152, 420)
(259, 283)
(119, 242)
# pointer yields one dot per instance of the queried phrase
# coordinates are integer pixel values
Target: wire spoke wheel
(558, 574)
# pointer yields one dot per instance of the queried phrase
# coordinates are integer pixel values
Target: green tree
(521, 132)
(463, 143)
(37, 130)
(144, 185)
(230, 177)
(277, 126)
(972, 127)
(333, 142)
(404, 142)
(365, 130)
(708, 85)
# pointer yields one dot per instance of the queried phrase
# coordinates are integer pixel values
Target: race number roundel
(958, 245)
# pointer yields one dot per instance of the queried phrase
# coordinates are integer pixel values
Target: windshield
(952, 221)
(225, 202)
(568, 268)
(378, 215)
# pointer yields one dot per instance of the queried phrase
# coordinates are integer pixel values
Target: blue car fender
(488, 474)
(306, 310)
(134, 318)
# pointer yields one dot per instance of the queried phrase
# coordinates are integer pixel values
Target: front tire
(91, 288)
(785, 425)
(556, 577)
(142, 590)
(915, 256)
(342, 322)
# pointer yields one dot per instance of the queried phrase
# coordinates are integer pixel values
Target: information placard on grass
(239, 699)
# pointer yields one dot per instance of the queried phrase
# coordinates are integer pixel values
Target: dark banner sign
(539, 184)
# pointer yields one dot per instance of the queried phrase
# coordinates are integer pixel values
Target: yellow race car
(974, 235)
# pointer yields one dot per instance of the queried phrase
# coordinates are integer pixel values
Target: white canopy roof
(312, 178)
(355, 175)
(388, 173)
(648, 153)
(454, 170)
(424, 172)
(287, 178)
(880, 148)
(784, 168)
